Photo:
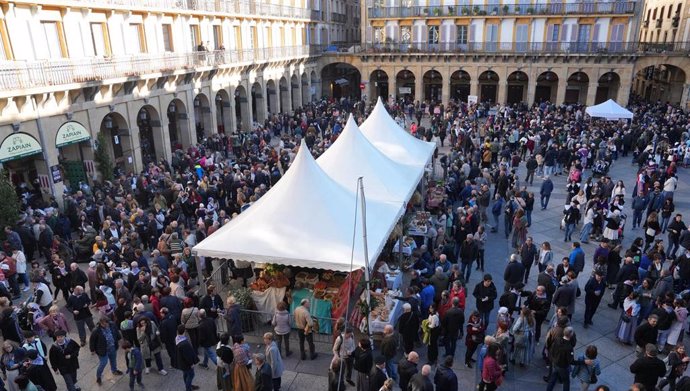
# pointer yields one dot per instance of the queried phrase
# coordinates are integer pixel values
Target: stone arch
(433, 84)
(305, 89)
(295, 91)
(577, 88)
(258, 102)
(518, 82)
(242, 109)
(151, 145)
(664, 82)
(608, 87)
(223, 112)
(272, 96)
(378, 85)
(342, 80)
(285, 104)
(488, 86)
(460, 85)
(547, 87)
(178, 125)
(202, 116)
(405, 82)
(119, 142)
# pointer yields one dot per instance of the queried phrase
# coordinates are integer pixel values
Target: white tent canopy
(609, 110)
(386, 135)
(353, 156)
(307, 220)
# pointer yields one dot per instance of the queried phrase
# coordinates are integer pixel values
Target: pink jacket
(53, 324)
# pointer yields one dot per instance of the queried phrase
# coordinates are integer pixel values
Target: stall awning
(17, 146)
(71, 132)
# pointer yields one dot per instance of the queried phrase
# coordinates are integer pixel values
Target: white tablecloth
(394, 281)
(267, 300)
(376, 325)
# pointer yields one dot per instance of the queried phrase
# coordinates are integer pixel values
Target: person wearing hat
(594, 291)
(648, 369)
(64, 358)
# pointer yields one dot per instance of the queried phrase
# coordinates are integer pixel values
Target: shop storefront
(20, 155)
(73, 141)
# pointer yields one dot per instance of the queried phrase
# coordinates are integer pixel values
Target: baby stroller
(600, 168)
(28, 315)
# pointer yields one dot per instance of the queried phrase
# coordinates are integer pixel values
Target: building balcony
(578, 8)
(21, 75)
(501, 48)
(315, 15)
(659, 22)
(669, 48)
(242, 7)
(338, 18)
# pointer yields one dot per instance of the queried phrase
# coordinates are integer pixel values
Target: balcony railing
(615, 8)
(30, 74)
(242, 7)
(529, 48)
(676, 48)
(338, 18)
(315, 15)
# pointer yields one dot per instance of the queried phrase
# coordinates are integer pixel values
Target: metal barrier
(254, 324)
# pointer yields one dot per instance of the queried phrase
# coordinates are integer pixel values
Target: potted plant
(425, 11)
(494, 11)
(517, 10)
(451, 11)
(506, 8)
(465, 11)
(437, 11)
(476, 10)
(530, 10)
(482, 13)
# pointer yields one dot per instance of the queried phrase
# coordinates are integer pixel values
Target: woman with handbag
(150, 344)
(651, 230)
(190, 320)
(587, 373)
(628, 320)
(474, 336)
(492, 374)
(523, 334)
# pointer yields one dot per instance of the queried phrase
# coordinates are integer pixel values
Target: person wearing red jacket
(492, 374)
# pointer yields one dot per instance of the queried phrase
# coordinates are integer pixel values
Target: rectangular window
(595, 37)
(238, 37)
(521, 37)
(51, 32)
(168, 38)
(491, 37)
(583, 38)
(553, 31)
(194, 36)
(137, 39)
(433, 35)
(98, 39)
(379, 35)
(617, 32)
(462, 35)
(218, 36)
(5, 48)
(565, 37)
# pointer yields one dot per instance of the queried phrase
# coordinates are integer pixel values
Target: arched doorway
(272, 96)
(223, 115)
(202, 115)
(488, 86)
(433, 84)
(460, 86)
(378, 85)
(405, 82)
(242, 112)
(305, 89)
(315, 86)
(577, 88)
(285, 105)
(608, 86)
(517, 87)
(258, 111)
(342, 80)
(547, 87)
(296, 96)
(150, 138)
(119, 142)
(662, 82)
(178, 125)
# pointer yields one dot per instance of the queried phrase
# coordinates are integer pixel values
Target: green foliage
(9, 207)
(103, 162)
(243, 297)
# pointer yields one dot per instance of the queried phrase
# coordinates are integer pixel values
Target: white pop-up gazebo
(609, 110)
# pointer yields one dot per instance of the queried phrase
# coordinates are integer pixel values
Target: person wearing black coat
(208, 338)
(172, 303)
(104, 342)
(186, 357)
(514, 273)
(529, 255)
(77, 277)
(408, 327)
(363, 362)
(212, 303)
(64, 358)
(407, 367)
(648, 369)
(451, 324)
(168, 332)
(9, 326)
(594, 291)
(378, 374)
(646, 333)
(36, 368)
(263, 378)
(445, 378)
(485, 294)
(420, 381)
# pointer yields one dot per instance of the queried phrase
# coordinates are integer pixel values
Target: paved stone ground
(311, 375)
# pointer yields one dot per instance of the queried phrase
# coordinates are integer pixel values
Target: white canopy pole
(367, 272)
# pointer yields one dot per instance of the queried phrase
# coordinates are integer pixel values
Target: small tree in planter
(530, 10)
(451, 11)
(465, 11)
(506, 8)
(476, 10)
(103, 162)
(9, 207)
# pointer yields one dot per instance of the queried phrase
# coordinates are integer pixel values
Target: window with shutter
(98, 39)
(595, 37)
(565, 35)
(521, 35)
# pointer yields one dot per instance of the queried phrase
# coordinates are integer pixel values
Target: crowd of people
(142, 283)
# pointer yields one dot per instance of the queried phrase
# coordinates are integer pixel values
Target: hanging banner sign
(18, 145)
(71, 132)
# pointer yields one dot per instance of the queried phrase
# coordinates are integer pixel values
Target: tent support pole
(367, 272)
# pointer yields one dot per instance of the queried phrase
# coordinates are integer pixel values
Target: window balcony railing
(529, 48)
(15, 75)
(338, 18)
(585, 8)
(670, 48)
(315, 15)
(241, 7)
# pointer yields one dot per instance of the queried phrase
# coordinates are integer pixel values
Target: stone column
(233, 115)
(624, 94)
(445, 91)
(592, 93)
(474, 87)
(560, 92)
(502, 93)
(419, 88)
(686, 95)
